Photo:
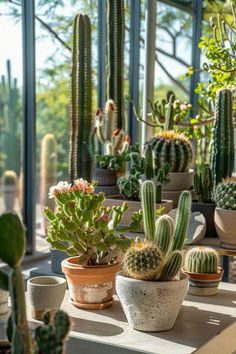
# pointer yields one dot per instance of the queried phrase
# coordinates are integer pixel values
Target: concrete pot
(174, 195)
(204, 284)
(179, 181)
(135, 206)
(107, 181)
(45, 293)
(9, 194)
(225, 223)
(151, 306)
(3, 302)
(208, 211)
(90, 287)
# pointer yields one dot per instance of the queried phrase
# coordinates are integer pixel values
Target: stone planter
(225, 223)
(90, 287)
(151, 306)
(204, 284)
(3, 302)
(9, 194)
(208, 211)
(134, 206)
(45, 293)
(179, 181)
(107, 181)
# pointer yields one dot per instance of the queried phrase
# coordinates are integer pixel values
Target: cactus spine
(165, 237)
(115, 53)
(80, 160)
(203, 184)
(202, 260)
(223, 137)
(225, 194)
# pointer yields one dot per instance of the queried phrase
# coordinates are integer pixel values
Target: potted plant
(201, 266)
(142, 168)
(115, 147)
(203, 187)
(12, 239)
(225, 212)
(150, 287)
(84, 228)
(9, 186)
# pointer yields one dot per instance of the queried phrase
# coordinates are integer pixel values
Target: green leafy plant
(203, 184)
(203, 260)
(159, 256)
(225, 194)
(81, 224)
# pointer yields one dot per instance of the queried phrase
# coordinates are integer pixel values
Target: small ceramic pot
(208, 211)
(45, 293)
(179, 181)
(107, 181)
(204, 284)
(225, 222)
(151, 306)
(3, 302)
(90, 287)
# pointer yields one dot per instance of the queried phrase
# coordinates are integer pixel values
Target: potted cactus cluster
(150, 286)
(87, 230)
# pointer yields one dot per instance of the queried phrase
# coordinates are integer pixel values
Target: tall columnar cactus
(202, 260)
(80, 159)
(115, 54)
(50, 337)
(225, 194)
(169, 119)
(48, 168)
(162, 236)
(172, 148)
(203, 184)
(223, 137)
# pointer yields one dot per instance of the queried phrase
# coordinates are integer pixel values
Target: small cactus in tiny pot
(225, 194)
(202, 260)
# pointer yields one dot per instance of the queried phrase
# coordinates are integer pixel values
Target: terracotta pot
(5, 347)
(174, 195)
(225, 222)
(179, 181)
(90, 287)
(134, 206)
(208, 211)
(107, 181)
(204, 284)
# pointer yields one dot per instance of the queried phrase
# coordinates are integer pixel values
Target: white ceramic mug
(45, 293)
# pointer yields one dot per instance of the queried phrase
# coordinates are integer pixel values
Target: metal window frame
(29, 117)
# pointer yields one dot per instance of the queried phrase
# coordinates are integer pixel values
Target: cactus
(172, 148)
(202, 260)
(203, 184)
(115, 54)
(48, 168)
(225, 194)
(9, 178)
(223, 137)
(169, 120)
(161, 235)
(80, 159)
(50, 337)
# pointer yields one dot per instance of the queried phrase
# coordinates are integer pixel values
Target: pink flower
(61, 187)
(83, 185)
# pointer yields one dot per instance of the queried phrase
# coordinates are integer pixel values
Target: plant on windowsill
(150, 286)
(9, 188)
(87, 230)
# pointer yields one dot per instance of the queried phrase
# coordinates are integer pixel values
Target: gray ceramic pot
(208, 211)
(107, 181)
(151, 306)
(225, 222)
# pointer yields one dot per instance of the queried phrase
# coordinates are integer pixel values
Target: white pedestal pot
(151, 306)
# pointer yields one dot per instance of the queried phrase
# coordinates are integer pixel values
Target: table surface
(200, 319)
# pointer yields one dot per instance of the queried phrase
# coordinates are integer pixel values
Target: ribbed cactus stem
(115, 53)
(149, 163)
(182, 220)
(202, 260)
(164, 233)
(110, 118)
(169, 120)
(172, 266)
(148, 198)
(223, 137)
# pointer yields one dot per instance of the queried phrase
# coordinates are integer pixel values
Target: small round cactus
(9, 178)
(203, 260)
(225, 194)
(143, 261)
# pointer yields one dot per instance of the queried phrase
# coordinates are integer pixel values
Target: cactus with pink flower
(82, 225)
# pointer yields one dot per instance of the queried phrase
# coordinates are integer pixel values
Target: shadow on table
(115, 312)
(223, 298)
(96, 328)
(194, 327)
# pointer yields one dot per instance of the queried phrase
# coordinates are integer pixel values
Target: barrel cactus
(225, 194)
(203, 184)
(161, 235)
(173, 148)
(202, 260)
(223, 137)
(80, 159)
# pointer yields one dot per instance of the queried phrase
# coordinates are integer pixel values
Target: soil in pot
(208, 211)
(204, 284)
(107, 181)
(90, 287)
(5, 347)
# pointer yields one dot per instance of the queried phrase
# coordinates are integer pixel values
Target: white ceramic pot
(45, 293)
(179, 181)
(3, 302)
(151, 306)
(9, 193)
(225, 222)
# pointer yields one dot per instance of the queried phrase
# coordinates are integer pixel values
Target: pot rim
(203, 203)
(59, 281)
(119, 198)
(226, 210)
(190, 171)
(69, 264)
(182, 279)
(218, 275)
